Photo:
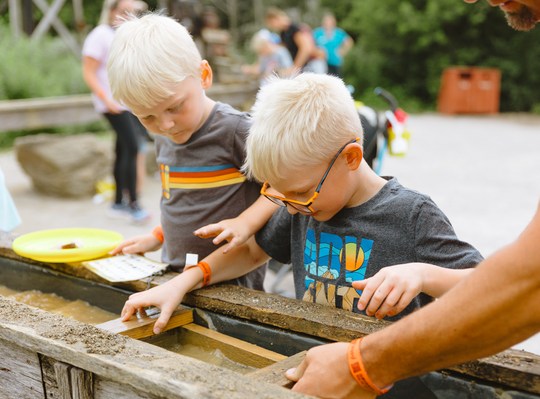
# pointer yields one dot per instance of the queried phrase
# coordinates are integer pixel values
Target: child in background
(272, 58)
(156, 70)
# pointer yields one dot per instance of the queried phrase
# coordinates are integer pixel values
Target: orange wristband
(358, 371)
(207, 273)
(158, 233)
(101, 94)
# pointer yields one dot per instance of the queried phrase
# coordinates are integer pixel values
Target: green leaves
(404, 45)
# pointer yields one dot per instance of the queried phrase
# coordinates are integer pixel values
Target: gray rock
(64, 166)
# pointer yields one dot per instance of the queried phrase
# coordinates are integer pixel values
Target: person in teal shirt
(334, 41)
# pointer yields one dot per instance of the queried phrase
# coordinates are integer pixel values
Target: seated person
(272, 58)
(340, 224)
(200, 143)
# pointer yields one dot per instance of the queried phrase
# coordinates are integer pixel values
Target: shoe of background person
(137, 215)
(119, 211)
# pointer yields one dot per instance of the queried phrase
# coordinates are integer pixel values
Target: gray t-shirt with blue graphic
(396, 226)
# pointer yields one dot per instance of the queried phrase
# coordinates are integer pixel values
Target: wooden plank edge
(142, 325)
(238, 344)
(275, 373)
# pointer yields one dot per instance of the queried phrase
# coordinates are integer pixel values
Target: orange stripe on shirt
(204, 174)
(193, 180)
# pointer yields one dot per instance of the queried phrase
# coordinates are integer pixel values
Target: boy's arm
(238, 230)
(167, 297)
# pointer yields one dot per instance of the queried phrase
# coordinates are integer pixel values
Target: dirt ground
(480, 170)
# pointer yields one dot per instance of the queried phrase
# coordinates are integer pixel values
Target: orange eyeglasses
(304, 207)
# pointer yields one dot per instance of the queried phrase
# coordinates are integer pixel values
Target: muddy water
(78, 310)
(211, 356)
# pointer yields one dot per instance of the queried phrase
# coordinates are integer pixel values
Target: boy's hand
(233, 230)
(325, 373)
(138, 245)
(392, 287)
(166, 297)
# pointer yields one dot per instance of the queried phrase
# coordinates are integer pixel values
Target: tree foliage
(404, 45)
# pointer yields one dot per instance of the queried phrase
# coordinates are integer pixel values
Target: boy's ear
(206, 75)
(353, 153)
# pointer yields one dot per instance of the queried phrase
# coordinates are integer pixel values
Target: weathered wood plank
(63, 379)
(142, 325)
(148, 369)
(275, 374)
(235, 349)
(39, 113)
(82, 384)
(20, 372)
(105, 388)
(290, 314)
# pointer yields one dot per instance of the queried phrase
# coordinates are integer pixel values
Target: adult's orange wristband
(101, 94)
(358, 371)
(158, 233)
(207, 273)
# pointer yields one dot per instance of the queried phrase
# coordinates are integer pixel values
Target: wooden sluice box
(258, 335)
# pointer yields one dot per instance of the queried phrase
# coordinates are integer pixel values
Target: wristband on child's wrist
(158, 233)
(358, 371)
(207, 273)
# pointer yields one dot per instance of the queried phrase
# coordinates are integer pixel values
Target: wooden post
(63, 379)
(82, 384)
(48, 18)
(162, 5)
(15, 18)
(78, 13)
(258, 10)
(232, 11)
(51, 18)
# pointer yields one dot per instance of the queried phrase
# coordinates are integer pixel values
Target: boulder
(64, 166)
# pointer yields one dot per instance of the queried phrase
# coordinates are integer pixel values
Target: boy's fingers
(224, 235)
(208, 231)
(231, 245)
(162, 320)
(127, 311)
(377, 299)
(404, 301)
(391, 300)
(367, 292)
(297, 373)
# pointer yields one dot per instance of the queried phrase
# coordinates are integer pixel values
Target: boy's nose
(292, 210)
(165, 124)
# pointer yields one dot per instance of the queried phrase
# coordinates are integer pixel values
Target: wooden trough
(44, 355)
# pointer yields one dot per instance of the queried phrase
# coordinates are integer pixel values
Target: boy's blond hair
(299, 122)
(149, 56)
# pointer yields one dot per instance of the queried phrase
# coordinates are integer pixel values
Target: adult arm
(90, 66)
(348, 42)
(306, 47)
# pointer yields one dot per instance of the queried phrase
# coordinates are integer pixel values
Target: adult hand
(390, 290)
(112, 106)
(325, 373)
(234, 231)
(138, 245)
